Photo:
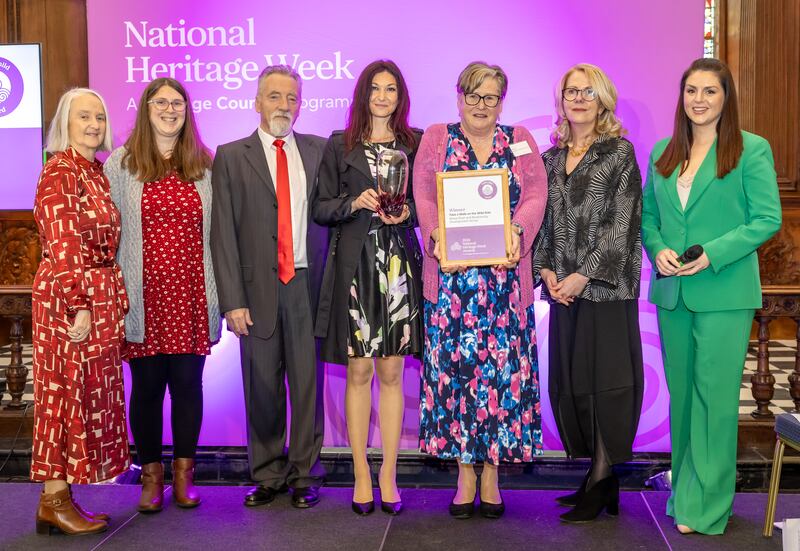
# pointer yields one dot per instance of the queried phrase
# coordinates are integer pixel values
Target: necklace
(686, 180)
(579, 151)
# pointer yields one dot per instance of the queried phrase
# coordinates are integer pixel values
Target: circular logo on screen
(487, 189)
(11, 87)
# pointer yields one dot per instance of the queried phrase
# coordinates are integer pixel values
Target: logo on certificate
(11, 87)
(487, 189)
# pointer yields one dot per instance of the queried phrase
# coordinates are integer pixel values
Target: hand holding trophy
(392, 176)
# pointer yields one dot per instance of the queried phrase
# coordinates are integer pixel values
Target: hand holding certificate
(475, 219)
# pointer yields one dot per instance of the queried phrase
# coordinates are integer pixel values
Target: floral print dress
(383, 305)
(175, 303)
(480, 377)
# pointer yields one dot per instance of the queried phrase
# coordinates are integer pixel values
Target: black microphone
(692, 253)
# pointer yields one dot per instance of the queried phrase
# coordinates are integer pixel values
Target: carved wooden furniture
(15, 303)
(19, 258)
(778, 302)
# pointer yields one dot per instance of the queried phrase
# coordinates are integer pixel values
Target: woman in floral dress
(480, 383)
(370, 302)
(79, 302)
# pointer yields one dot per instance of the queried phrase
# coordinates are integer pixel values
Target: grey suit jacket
(244, 229)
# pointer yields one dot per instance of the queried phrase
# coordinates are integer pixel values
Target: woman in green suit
(713, 185)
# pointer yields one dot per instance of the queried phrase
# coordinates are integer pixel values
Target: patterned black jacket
(592, 221)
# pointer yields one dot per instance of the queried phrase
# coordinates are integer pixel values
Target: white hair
(284, 70)
(58, 135)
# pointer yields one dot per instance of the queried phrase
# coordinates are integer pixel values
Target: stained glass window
(710, 28)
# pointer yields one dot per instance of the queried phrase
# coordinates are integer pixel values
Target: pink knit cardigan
(530, 173)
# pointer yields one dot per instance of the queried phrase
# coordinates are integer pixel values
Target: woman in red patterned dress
(161, 183)
(79, 303)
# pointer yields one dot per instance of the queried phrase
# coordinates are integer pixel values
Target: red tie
(285, 245)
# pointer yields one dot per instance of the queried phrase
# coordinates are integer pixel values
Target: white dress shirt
(297, 189)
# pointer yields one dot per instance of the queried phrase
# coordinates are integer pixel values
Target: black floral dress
(383, 305)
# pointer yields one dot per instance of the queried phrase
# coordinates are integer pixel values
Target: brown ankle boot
(152, 488)
(57, 512)
(183, 483)
(87, 514)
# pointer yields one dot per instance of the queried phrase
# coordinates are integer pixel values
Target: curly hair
(607, 123)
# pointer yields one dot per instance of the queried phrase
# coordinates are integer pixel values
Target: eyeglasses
(489, 100)
(161, 104)
(571, 94)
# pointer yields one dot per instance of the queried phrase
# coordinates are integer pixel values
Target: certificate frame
(489, 234)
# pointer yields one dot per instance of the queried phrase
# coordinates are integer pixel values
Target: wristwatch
(519, 227)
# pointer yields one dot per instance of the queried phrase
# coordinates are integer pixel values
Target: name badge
(520, 148)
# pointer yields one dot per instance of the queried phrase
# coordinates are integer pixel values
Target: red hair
(359, 121)
(729, 133)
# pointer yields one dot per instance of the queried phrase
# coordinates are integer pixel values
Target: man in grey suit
(268, 259)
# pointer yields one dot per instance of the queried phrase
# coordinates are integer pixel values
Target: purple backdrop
(218, 54)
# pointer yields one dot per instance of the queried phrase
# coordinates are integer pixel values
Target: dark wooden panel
(5, 9)
(9, 21)
(760, 41)
(762, 47)
(60, 27)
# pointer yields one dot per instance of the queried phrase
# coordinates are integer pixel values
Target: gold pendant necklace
(579, 151)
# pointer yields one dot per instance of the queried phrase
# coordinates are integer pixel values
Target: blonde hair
(607, 123)
(476, 72)
(58, 134)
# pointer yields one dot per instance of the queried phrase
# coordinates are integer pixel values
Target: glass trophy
(392, 175)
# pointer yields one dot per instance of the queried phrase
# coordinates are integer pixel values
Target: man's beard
(278, 125)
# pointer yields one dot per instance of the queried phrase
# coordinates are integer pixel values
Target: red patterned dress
(79, 431)
(175, 306)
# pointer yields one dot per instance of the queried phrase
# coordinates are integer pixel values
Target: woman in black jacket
(588, 254)
(369, 308)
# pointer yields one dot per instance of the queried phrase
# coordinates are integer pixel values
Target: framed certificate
(474, 217)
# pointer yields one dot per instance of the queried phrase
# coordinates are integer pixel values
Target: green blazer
(730, 217)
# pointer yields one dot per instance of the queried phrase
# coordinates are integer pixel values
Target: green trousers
(704, 356)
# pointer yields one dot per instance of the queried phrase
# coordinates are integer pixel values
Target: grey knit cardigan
(126, 192)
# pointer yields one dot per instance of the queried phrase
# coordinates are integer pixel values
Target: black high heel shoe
(603, 495)
(571, 500)
(392, 507)
(363, 509)
(462, 511)
(492, 510)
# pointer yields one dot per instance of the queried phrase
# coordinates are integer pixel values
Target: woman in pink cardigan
(480, 383)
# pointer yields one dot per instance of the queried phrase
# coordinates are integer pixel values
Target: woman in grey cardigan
(161, 183)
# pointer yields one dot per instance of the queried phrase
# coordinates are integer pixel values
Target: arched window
(710, 29)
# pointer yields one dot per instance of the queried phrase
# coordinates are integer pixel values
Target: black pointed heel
(603, 495)
(391, 507)
(363, 509)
